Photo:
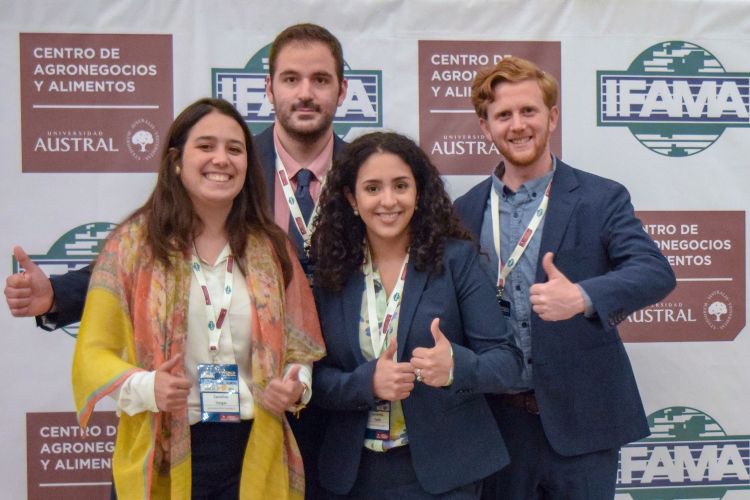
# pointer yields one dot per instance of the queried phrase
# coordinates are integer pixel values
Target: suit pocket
(601, 383)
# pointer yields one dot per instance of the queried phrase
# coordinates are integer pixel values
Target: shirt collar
(220, 260)
(319, 166)
(537, 185)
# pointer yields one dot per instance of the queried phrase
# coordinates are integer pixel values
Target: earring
(356, 212)
(177, 170)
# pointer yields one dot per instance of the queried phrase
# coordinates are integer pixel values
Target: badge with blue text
(219, 393)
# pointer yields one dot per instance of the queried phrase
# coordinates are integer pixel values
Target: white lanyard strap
(378, 334)
(305, 230)
(214, 323)
(504, 271)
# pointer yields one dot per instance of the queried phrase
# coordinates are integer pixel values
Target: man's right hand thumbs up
(28, 293)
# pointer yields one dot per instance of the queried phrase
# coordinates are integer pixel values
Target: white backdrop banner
(655, 95)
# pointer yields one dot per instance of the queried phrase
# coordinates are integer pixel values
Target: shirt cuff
(47, 321)
(588, 306)
(136, 394)
(453, 365)
(305, 377)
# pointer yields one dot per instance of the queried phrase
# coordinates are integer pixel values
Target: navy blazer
(267, 156)
(452, 434)
(587, 394)
(70, 288)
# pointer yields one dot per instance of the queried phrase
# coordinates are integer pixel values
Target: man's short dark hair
(307, 33)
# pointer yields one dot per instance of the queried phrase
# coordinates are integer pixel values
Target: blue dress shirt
(516, 211)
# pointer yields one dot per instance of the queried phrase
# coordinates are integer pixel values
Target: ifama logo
(687, 455)
(676, 98)
(245, 88)
(73, 250)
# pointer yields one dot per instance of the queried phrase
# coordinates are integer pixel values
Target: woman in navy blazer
(409, 418)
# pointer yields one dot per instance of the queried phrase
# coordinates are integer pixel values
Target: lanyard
(305, 230)
(515, 256)
(378, 334)
(214, 323)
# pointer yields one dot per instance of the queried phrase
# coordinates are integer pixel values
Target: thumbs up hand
(392, 381)
(433, 365)
(28, 293)
(170, 388)
(558, 298)
(281, 394)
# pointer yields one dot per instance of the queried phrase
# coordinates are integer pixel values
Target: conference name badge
(504, 307)
(379, 422)
(219, 393)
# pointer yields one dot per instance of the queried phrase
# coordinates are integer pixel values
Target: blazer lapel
(267, 157)
(338, 146)
(562, 201)
(352, 305)
(475, 207)
(415, 283)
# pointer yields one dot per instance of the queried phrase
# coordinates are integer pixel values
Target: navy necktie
(304, 198)
(306, 205)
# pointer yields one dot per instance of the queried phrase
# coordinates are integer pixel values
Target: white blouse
(137, 392)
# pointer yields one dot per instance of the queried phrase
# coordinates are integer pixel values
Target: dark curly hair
(338, 237)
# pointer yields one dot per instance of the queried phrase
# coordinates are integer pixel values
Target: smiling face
(385, 194)
(214, 162)
(305, 90)
(520, 124)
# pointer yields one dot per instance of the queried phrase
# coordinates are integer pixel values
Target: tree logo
(687, 455)
(717, 310)
(143, 139)
(73, 250)
(676, 98)
(245, 88)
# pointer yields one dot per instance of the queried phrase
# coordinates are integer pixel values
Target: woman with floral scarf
(201, 325)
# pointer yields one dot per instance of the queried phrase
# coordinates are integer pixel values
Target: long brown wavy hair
(171, 221)
(339, 235)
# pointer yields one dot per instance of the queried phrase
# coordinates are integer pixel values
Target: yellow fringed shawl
(135, 318)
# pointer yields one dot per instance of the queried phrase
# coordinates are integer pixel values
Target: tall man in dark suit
(574, 262)
(306, 84)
